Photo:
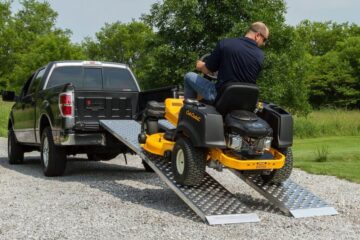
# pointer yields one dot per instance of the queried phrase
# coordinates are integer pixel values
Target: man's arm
(200, 66)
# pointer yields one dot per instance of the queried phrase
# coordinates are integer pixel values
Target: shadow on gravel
(259, 204)
(127, 183)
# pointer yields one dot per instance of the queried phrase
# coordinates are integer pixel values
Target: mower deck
(210, 200)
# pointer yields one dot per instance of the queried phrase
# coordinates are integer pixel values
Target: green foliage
(189, 29)
(322, 153)
(30, 40)
(124, 43)
(6, 34)
(333, 54)
(312, 65)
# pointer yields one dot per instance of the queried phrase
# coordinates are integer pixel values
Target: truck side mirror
(8, 96)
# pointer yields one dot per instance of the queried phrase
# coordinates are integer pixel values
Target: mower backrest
(237, 96)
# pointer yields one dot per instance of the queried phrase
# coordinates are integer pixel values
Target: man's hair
(259, 27)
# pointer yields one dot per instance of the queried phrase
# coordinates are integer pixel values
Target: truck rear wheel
(15, 150)
(53, 158)
(147, 167)
(188, 162)
(282, 174)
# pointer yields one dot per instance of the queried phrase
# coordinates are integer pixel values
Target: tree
(334, 78)
(6, 36)
(54, 46)
(120, 42)
(30, 41)
(188, 29)
(333, 53)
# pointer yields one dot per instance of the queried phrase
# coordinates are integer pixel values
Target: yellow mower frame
(158, 145)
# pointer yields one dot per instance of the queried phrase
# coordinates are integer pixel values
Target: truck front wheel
(15, 150)
(53, 158)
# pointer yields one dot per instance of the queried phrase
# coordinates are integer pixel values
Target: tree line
(312, 65)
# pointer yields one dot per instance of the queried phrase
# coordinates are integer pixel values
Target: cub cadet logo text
(193, 115)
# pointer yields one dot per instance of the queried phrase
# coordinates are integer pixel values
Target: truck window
(119, 79)
(26, 86)
(92, 78)
(36, 81)
(63, 75)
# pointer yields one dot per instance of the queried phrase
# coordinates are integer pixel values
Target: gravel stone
(112, 200)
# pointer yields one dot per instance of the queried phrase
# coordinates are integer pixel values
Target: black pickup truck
(59, 108)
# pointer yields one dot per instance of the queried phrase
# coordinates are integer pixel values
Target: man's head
(259, 32)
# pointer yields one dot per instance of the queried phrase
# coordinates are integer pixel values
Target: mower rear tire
(281, 175)
(188, 162)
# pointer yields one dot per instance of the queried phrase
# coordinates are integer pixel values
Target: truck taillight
(66, 104)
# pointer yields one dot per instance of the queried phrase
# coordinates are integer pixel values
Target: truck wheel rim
(180, 161)
(46, 152)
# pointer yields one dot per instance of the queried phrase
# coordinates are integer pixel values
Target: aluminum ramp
(289, 197)
(210, 200)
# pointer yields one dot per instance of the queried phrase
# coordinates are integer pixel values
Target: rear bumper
(76, 139)
(254, 164)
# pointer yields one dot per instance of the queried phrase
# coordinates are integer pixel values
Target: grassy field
(328, 122)
(338, 156)
(326, 142)
(5, 108)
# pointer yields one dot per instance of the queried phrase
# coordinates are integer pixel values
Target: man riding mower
(239, 135)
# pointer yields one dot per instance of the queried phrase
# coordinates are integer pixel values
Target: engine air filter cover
(247, 124)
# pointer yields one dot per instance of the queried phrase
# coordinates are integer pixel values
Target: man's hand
(200, 66)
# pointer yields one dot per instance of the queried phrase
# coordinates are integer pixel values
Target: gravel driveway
(111, 200)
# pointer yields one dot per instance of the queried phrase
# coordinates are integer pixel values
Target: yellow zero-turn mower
(234, 132)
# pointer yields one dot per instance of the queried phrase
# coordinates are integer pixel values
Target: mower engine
(248, 146)
(247, 134)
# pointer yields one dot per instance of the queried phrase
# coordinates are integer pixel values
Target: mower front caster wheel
(188, 162)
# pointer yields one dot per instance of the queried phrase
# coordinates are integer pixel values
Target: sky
(86, 17)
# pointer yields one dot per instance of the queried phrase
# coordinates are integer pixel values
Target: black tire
(188, 162)
(151, 126)
(15, 149)
(53, 158)
(281, 175)
(147, 167)
(101, 156)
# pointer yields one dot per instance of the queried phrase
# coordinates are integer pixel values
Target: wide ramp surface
(210, 200)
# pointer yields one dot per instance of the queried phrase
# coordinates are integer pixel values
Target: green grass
(328, 122)
(343, 156)
(5, 108)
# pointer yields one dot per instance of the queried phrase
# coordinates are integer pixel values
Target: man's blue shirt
(235, 59)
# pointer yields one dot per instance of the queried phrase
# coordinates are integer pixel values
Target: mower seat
(236, 96)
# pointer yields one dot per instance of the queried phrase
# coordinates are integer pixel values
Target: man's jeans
(194, 84)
